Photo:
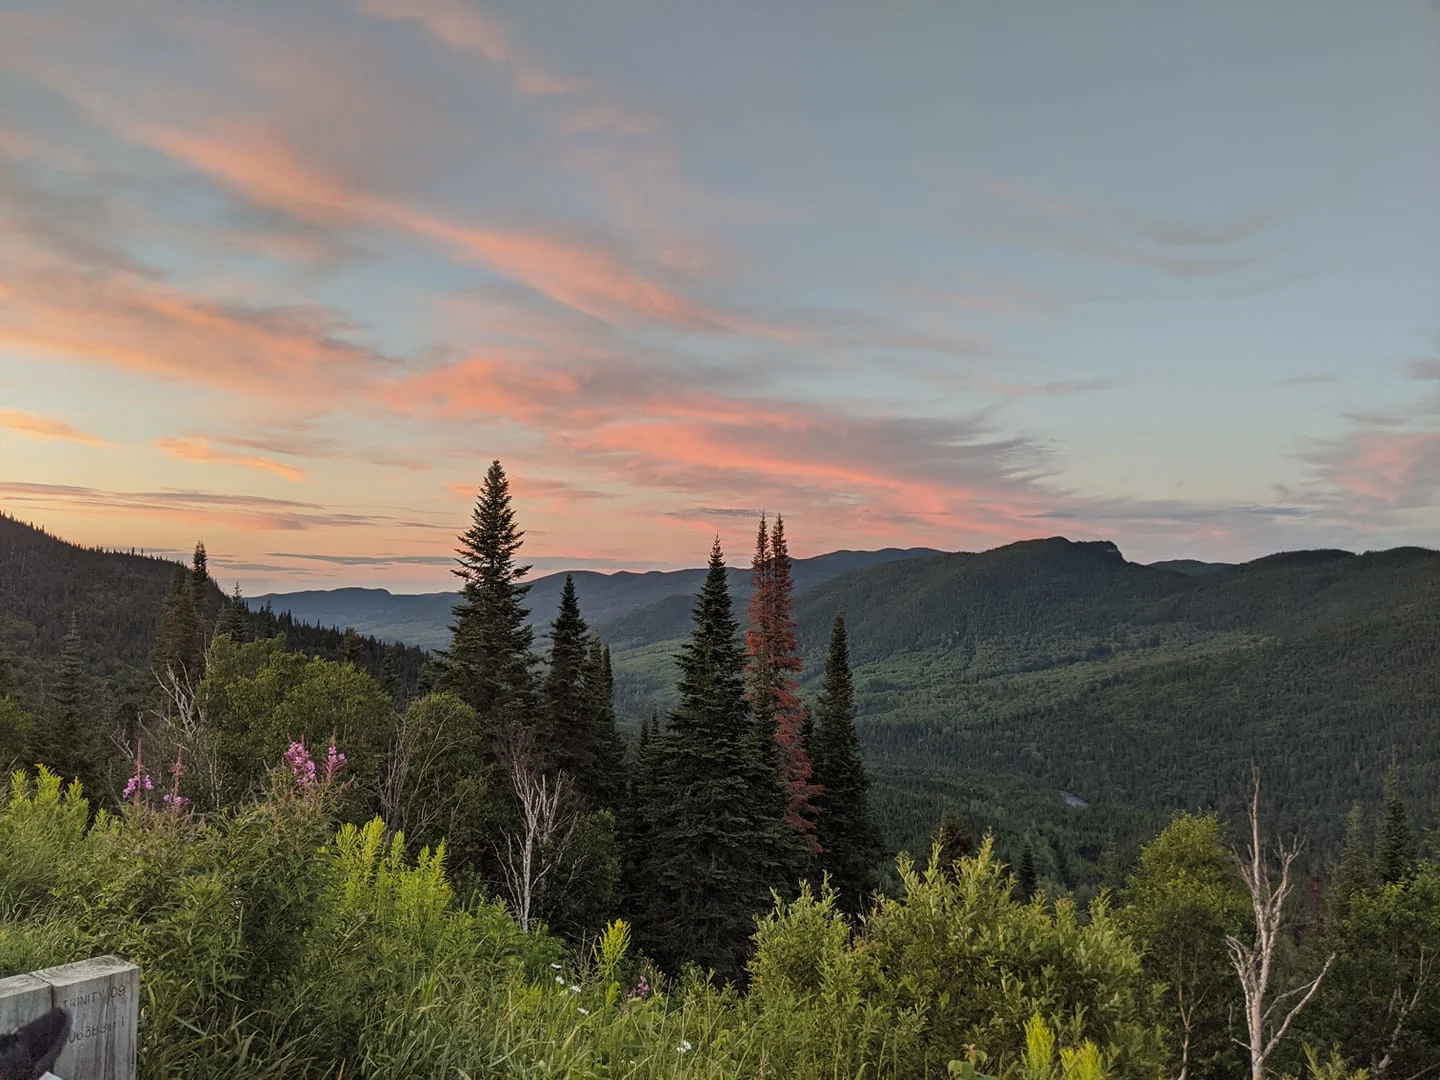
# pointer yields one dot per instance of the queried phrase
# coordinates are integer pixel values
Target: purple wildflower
(139, 781)
(175, 802)
(298, 758)
(334, 761)
(641, 991)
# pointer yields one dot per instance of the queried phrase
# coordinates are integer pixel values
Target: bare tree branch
(1253, 962)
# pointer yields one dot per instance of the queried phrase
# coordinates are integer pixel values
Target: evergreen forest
(1035, 814)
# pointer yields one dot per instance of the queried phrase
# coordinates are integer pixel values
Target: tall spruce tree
(232, 622)
(773, 668)
(489, 665)
(1397, 842)
(1356, 870)
(567, 742)
(849, 844)
(716, 841)
(610, 780)
(179, 641)
(68, 740)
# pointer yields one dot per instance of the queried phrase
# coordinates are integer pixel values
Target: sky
(285, 276)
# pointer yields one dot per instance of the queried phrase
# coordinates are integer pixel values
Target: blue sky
(286, 276)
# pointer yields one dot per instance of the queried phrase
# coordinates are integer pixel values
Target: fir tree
(67, 740)
(1397, 843)
(849, 844)
(568, 742)
(232, 621)
(773, 667)
(1025, 880)
(716, 841)
(610, 781)
(199, 576)
(352, 649)
(179, 641)
(1356, 871)
(488, 665)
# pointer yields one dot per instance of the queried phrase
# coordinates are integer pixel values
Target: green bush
(275, 941)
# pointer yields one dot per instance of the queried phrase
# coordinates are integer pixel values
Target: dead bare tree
(1254, 962)
(531, 855)
(183, 724)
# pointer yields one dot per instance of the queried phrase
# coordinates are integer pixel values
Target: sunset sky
(285, 275)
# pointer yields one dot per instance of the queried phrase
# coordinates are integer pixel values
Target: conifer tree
(489, 665)
(716, 841)
(1356, 871)
(1025, 879)
(67, 740)
(849, 844)
(1397, 843)
(609, 785)
(179, 640)
(567, 742)
(352, 648)
(773, 666)
(232, 621)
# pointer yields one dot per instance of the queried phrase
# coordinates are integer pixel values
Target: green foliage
(1179, 905)
(1380, 1002)
(258, 698)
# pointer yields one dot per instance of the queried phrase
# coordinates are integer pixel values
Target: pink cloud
(198, 450)
(44, 428)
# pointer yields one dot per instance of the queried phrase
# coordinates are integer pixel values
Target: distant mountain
(1191, 567)
(606, 599)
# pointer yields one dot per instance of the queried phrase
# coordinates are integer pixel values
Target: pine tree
(849, 844)
(67, 740)
(232, 622)
(352, 649)
(1356, 871)
(179, 640)
(567, 742)
(716, 841)
(773, 668)
(1397, 843)
(1025, 880)
(489, 665)
(610, 779)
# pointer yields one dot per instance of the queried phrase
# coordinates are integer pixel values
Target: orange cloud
(199, 450)
(44, 428)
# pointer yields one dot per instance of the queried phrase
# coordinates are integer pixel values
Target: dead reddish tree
(774, 669)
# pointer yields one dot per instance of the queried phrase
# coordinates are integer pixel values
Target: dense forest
(337, 857)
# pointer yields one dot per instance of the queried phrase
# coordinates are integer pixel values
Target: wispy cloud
(198, 450)
(44, 428)
(463, 27)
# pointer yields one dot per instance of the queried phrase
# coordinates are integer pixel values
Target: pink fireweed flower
(334, 761)
(139, 782)
(298, 758)
(641, 991)
(175, 802)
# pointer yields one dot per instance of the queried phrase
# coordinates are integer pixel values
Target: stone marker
(101, 995)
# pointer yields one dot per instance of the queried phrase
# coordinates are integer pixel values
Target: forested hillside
(610, 599)
(116, 600)
(996, 681)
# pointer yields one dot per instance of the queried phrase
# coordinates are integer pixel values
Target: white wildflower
(684, 1046)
